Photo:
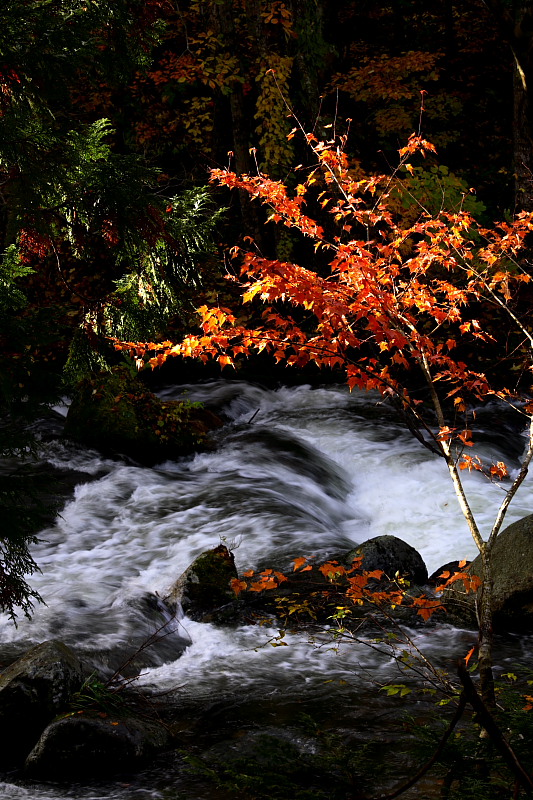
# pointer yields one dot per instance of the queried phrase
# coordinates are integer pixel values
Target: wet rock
(435, 578)
(115, 413)
(92, 745)
(308, 596)
(393, 556)
(204, 587)
(32, 692)
(313, 596)
(512, 569)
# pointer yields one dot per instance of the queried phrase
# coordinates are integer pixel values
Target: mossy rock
(205, 586)
(32, 691)
(114, 412)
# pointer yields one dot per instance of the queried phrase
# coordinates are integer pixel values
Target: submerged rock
(92, 745)
(205, 586)
(115, 413)
(32, 692)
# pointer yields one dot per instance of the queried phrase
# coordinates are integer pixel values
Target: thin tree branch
(427, 766)
(486, 719)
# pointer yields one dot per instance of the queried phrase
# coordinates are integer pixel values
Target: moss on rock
(115, 413)
(205, 585)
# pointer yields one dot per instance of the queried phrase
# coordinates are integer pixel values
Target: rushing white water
(314, 472)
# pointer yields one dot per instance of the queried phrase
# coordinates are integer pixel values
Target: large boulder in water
(205, 586)
(393, 556)
(512, 571)
(32, 691)
(115, 413)
(93, 745)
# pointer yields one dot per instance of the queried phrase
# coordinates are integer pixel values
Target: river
(296, 471)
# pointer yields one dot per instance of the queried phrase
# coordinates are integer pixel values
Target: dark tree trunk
(223, 21)
(522, 119)
(522, 142)
(515, 21)
(449, 28)
(309, 56)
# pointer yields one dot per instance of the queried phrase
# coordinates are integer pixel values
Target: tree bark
(515, 23)
(222, 14)
(486, 675)
(522, 120)
(309, 55)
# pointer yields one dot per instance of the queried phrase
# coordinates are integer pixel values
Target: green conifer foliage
(77, 209)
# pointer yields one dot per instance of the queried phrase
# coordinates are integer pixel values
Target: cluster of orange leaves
(388, 78)
(471, 583)
(498, 470)
(361, 586)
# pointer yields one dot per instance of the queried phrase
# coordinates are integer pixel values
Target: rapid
(295, 471)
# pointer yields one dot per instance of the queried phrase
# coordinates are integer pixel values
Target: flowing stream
(297, 471)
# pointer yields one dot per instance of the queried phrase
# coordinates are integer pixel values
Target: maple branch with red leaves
(396, 303)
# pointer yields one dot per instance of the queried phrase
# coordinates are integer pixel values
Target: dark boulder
(512, 572)
(436, 579)
(393, 556)
(90, 745)
(315, 594)
(115, 413)
(32, 692)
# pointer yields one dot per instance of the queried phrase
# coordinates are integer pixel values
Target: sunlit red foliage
(393, 298)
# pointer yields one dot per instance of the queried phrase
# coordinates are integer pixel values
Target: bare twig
(486, 720)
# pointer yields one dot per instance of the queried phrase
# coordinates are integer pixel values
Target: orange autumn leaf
(499, 470)
(257, 587)
(426, 607)
(375, 573)
(529, 704)
(332, 569)
(471, 583)
(425, 613)
(238, 586)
